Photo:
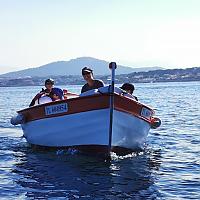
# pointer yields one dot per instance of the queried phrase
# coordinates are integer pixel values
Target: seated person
(49, 83)
(91, 82)
(129, 88)
(57, 94)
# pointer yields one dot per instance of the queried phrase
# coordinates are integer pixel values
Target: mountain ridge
(73, 67)
(169, 75)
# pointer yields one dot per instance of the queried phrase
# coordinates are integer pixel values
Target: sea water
(168, 168)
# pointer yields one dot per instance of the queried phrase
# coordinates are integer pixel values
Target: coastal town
(168, 75)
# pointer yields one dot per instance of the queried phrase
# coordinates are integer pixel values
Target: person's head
(128, 87)
(57, 94)
(49, 84)
(87, 73)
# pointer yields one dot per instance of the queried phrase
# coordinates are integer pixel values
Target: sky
(135, 33)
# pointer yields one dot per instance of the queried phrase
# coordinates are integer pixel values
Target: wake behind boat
(100, 120)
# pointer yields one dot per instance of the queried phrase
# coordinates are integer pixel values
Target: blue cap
(58, 92)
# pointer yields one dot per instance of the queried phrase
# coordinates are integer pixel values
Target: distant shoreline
(105, 83)
(156, 76)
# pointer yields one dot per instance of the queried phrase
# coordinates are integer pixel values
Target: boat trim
(86, 103)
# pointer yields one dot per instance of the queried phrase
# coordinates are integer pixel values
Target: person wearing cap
(57, 94)
(49, 83)
(129, 88)
(92, 83)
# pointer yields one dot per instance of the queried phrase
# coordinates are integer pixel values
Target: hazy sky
(138, 33)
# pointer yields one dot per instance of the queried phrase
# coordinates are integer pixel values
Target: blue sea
(168, 168)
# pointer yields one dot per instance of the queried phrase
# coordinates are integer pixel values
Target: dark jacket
(97, 84)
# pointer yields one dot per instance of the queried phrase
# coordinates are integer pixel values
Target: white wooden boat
(88, 122)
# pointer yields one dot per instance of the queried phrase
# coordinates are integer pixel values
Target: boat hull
(88, 128)
(129, 131)
(85, 128)
(85, 122)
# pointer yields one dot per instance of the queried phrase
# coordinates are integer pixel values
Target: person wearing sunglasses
(92, 83)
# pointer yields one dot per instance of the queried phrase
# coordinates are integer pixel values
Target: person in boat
(49, 83)
(129, 88)
(57, 94)
(92, 83)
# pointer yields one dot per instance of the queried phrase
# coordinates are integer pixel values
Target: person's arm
(100, 83)
(83, 89)
(32, 102)
(37, 96)
(136, 98)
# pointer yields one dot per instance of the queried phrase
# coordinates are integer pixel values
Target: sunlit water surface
(169, 167)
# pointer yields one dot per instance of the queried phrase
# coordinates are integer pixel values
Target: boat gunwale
(116, 95)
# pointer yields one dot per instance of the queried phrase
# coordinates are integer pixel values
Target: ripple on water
(169, 167)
